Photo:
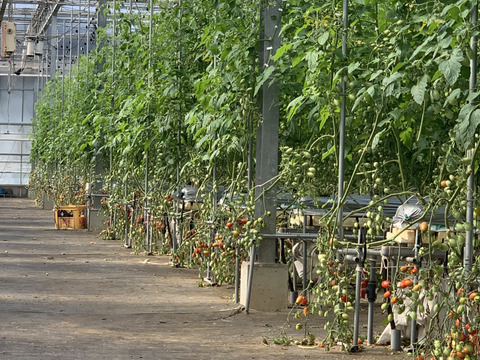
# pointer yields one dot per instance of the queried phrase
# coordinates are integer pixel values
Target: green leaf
(445, 43)
(281, 51)
(376, 139)
(418, 91)
(376, 74)
(312, 58)
(264, 77)
(446, 9)
(454, 94)
(451, 67)
(359, 99)
(294, 106)
(467, 123)
(298, 59)
(329, 152)
(406, 136)
(353, 67)
(437, 75)
(389, 83)
(422, 46)
(322, 39)
(324, 114)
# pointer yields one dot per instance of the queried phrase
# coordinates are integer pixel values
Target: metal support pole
(70, 47)
(468, 253)
(237, 275)
(294, 275)
(371, 296)
(343, 114)
(175, 238)
(78, 41)
(127, 210)
(87, 49)
(148, 245)
(304, 262)
(413, 330)
(468, 250)
(112, 102)
(54, 46)
(250, 279)
(63, 70)
(358, 286)
(21, 163)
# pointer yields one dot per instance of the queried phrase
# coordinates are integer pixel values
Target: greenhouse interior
(332, 178)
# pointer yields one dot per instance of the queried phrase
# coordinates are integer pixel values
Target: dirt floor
(70, 295)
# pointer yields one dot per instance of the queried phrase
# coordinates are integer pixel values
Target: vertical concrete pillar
(267, 135)
(268, 281)
(95, 217)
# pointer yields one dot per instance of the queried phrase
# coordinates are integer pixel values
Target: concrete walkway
(70, 295)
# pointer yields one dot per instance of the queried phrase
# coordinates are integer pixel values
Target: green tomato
(467, 226)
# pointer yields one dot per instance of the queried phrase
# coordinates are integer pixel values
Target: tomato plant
(181, 108)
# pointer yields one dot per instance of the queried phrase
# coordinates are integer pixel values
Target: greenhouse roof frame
(33, 20)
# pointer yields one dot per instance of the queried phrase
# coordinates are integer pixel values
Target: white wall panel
(16, 113)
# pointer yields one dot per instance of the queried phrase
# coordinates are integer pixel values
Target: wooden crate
(70, 217)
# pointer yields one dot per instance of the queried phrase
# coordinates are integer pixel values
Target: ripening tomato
(385, 284)
(241, 221)
(424, 226)
(299, 299)
(229, 224)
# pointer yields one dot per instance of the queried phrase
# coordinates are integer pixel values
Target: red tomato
(385, 284)
(299, 299)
